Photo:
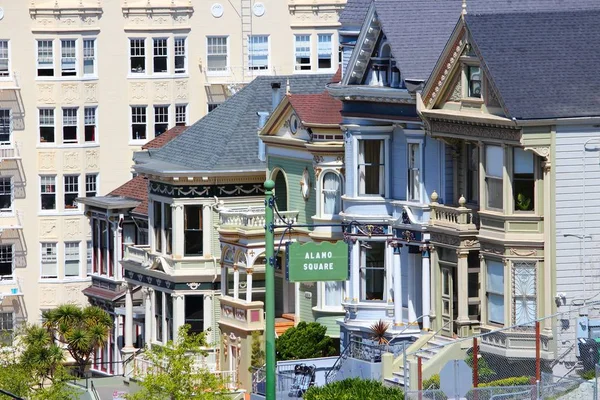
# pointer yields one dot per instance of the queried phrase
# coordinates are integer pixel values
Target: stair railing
(338, 364)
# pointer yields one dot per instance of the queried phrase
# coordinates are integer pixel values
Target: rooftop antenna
(464, 8)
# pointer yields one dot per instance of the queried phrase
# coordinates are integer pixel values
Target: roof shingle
(165, 138)
(318, 109)
(137, 189)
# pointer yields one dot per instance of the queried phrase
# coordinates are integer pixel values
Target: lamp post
(270, 290)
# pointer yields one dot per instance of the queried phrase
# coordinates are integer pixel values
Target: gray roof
(226, 139)
(544, 65)
(354, 13)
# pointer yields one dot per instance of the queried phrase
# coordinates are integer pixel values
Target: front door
(447, 301)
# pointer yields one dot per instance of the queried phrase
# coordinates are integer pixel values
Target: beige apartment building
(85, 83)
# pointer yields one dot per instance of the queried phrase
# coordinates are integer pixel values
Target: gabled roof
(317, 109)
(137, 189)
(544, 65)
(163, 139)
(354, 12)
(226, 139)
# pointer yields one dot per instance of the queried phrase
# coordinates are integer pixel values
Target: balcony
(11, 220)
(9, 287)
(10, 152)
(515, 344)
(138, 258)
(247, 316)
(459, 219)
(252, 218)
(410, 213)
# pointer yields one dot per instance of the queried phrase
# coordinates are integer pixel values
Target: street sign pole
(270, 290)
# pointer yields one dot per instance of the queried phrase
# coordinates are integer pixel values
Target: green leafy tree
(305, 341)
(257, 358)
(353, 389)
(174, 376)
(82, 330)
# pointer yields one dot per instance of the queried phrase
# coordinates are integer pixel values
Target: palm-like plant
(82, 330)
(378, 330)
(40, 355)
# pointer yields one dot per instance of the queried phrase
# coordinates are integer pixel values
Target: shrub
(353, 389)
(485, 372)
(305, 341)
(432, 383)
(589, 374)
(506, 382)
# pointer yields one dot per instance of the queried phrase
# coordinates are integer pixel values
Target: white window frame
(90, 119)
(11, 248)
(410, 195)
(70, 121)
(43, 121)
(322, 297)
(90, 55)
(68, 184)
(52, 256)
(72, 73)
(498, 294)
(71, 255)
(160, 118)
(386, 166)
(89, 257)
(8, 73)
(524, 298)
(321, 189)
(217, 72)
(11, 189)
(179, 121)
(130, 42)
(167, 54)
(331, 52)
(91, 182)
(362, 254)
(39, 65)
(132, 108)
(10, 126)
(48, 180)
(260, 69)
(494, 177)
(298, 66)
(177, 53)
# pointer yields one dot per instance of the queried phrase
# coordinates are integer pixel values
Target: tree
(304, 341)
(257, 359)
(82, 330)
(353, 389)
(174, 376)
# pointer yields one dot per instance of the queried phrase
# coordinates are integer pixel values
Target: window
(474, 76)
(472, 174)
(69, 125)
(325, 51)
(161, 120)
(6, 262)
(180, 56)
(89, 257)
(160, 62)
(414, 171)
(48, 192)
(373, 271)
(157, 224)
(333, 292)
(193, 230)
(5, 126)
(258, 50)
(68, 58)
(158, 312)
(6, 193)
(524, 294)
(46, 125)
(168, 227)
(45, 58)
(332, 191)
(302, 52)
(90, 185)
(494, 163)
(4, 58)
(137, 56)
(89, 120)
(138, 123)
(181, 115)
(49, 262)
(72, 259)
(7, 322)
(495, 291)
(216, 57)
(71, 191)
(212, 106)
(523, 180)
(371, 168)
(89, 57)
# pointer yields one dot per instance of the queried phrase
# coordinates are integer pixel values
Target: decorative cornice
(206, 191)
(309, 13)
(471, 130)
(144, 16)
(82, 18)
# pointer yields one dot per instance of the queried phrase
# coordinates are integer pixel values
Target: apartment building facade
(77, 77)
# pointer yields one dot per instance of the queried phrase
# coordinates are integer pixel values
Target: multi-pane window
(472, 174)
(474, 77)
(48, 192)
(372, 271)
(6, 261)
(6, 193)
(89, 254)
(325, 51)
(7, 322)
(332, 194)
(494, 165)
(193, 230)
(302, 52)
(89, 121)
(216, 56)
(180, 56)
(161, 55)
(45, 58)
(495, 291)
(5, 126)
(138, 122)
(89, 57)
(71, 186)
(524, 293)
(258, 55)
(90, 185)
(72, 259)
(137, 56)
(414, 171)
(69, 125)
(181, 115)
(4, 58)
(46, 125)
(161, 119)
(68, 58)
(49, 260)
(523, 179)
(371, 168)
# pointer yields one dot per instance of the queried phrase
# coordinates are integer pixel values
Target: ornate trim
(472, 130)
(488, 248)
(522, 253)
(146, 16)
(206, 191)
(78, 18)
(444, 239)
(543, 152)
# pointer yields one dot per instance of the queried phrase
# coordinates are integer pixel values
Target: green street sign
(317, 262)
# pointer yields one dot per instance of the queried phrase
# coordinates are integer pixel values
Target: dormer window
(474, 78)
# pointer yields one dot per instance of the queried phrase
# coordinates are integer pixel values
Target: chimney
(276, 96)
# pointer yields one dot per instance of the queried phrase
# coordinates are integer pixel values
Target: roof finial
(287, 86)
(464, 7)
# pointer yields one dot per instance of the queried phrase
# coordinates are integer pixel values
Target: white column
(208, 317)
(412, 314)
(128, 320)
(116, 351)
(177, 230)
(206, 230)
(249, 272)
(149, 315)
(236, 282)
(152, 317)
(151, 237)
(164, 317)
(118, 254)
(355, 273)
(223, 279)
(396, 262)
(425, 283)
(178, 314)
(463, 275)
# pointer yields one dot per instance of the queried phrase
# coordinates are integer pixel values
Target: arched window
(280, 191)
(332, 194)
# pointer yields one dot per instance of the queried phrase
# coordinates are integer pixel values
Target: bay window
(524, 293)
(332, 194)
(332, 294)
(157, 224)
(523, 180)
(472, 174)
(371, 167)
(372, 263)
(158, 314)
(193, 230)
(495, 291)
(414, 171)
(168, 227)
(494, 166)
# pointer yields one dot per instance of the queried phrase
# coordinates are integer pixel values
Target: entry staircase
(284, 323)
